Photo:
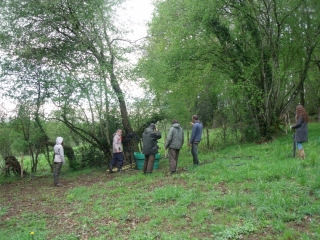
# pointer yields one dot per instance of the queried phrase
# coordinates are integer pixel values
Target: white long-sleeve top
(116, 143)
(58, 150)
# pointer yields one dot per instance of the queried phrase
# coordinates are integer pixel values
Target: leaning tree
(83, 45)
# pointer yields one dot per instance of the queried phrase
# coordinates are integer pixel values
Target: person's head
(174, 121)
(300, 111)
(152, 126)
(59, 141)
(119, 131)
(195, 118)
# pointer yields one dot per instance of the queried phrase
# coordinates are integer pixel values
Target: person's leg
(119, 161)
(172, 160)
(194, 151)
(301, 153)
(56, 172)
(112, 162)
(177, 156)
(150, 163)
(145, 165)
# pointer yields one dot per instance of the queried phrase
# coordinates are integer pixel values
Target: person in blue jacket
(195, 138)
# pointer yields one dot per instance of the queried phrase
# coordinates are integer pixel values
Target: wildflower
(31, 233)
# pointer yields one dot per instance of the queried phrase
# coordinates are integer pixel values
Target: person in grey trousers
(58, 161)
(174, 143)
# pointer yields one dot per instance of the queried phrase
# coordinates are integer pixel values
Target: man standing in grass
(117, 150)
(195, 138)
(58, 161)
(174, 142)
(150, 138)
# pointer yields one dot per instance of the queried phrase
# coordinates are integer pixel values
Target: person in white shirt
(58, 160)
(117, 150)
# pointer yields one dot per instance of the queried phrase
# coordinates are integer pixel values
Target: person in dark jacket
(301, 129)
(195, 138)
(174, 143)
(150, 138)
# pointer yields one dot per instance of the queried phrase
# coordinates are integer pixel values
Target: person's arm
(182, 136)
(156, 135)
(169, 138)
(62, 154)
(299, 122)
(193, 134)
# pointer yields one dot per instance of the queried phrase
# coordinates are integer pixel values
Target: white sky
(137, 14)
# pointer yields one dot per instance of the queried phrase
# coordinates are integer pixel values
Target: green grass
(244, 191)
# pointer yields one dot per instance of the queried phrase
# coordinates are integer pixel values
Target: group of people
(173, 144)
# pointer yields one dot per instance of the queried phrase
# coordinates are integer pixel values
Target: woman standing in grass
(301, 128)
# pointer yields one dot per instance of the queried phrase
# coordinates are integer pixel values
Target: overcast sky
(137, 13)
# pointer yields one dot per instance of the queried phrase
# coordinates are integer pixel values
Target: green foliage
(239, 64)
(236, 232)
(3, 210)
(88, 156)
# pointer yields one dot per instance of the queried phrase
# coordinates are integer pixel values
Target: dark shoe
(110, 171)
(58, 185)
(173, 172)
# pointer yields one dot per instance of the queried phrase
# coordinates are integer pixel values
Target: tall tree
(239, 49)
(84, 43)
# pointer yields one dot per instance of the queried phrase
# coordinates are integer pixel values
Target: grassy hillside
(246, 191)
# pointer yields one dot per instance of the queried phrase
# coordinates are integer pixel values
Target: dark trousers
(173, 159)
(117, 160)
(148, 163)
(194, 151)
(56, 172)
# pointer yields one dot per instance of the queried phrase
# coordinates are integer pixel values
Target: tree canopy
(253, 59)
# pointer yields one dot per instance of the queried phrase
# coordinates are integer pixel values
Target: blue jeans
(117, 159)
(194, 151)
(299, 145)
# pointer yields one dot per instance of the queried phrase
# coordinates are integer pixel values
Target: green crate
(139, 158)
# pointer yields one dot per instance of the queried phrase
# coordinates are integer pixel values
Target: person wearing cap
(117, 150)
(150, 138)
(195, 138)
(174, 143)
(58, 161)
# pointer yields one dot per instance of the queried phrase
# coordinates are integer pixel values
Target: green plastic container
(139, 158)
